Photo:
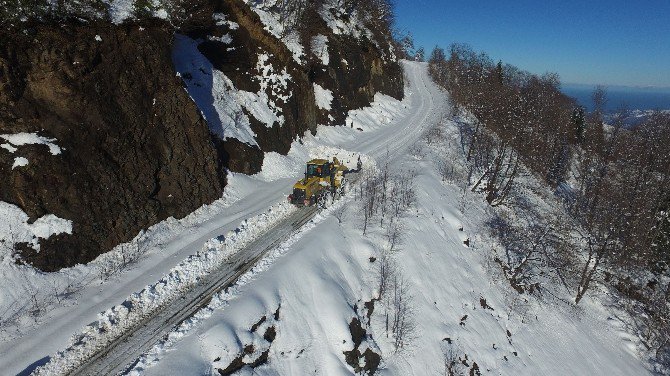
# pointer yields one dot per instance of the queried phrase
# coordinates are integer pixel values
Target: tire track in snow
(120, 355)
(413, 129)
(125, 351)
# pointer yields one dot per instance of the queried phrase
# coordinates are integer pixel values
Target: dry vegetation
(612, 178)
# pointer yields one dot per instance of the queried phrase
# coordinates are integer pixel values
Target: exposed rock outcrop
(135, 147)
(357, 69)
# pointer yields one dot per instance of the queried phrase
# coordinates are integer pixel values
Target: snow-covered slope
(310, 289)
(91, 289)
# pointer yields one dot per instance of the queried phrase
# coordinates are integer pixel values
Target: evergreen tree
(579, 123)
(499, 73)
(407, 46)
(420, 54)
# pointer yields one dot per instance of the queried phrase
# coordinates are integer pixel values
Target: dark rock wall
(135, 148)
(354, 83)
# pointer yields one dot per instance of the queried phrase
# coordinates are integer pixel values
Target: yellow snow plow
(321, 177)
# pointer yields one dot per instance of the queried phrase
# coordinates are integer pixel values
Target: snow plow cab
(321, 176)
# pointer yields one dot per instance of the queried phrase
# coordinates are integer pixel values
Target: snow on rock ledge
(14, 228)
(324, 97)
(212, 92)
(19, 162)
(275, 25)
(320, 48)
(20, 139)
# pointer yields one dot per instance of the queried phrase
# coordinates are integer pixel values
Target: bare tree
(450, 360)
(446, 169)
(394, 234)
(416, 150)
(340, 213)
(369, 193)
(524, 251)
(386, 269)
(33, 295)
(403, 324)
(499, 175)
(9, 239)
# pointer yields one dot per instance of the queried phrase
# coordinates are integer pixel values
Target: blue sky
(590, 42)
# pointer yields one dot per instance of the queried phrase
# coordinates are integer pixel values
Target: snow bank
(383, 111)
(133, 310)
(214, 253)
(224, 298)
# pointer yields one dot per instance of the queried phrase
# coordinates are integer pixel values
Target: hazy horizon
(613, 43)
(632, 98)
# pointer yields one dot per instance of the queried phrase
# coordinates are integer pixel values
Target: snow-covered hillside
(306, 304)
(295, 313)
(62, 303)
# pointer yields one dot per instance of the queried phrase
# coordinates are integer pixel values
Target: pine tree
(499, 73)
(407, 45)
(420, 54)
(579, 123)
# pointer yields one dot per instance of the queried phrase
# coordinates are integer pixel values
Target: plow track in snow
(123, 353)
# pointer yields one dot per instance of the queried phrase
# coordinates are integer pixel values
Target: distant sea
(634, 98)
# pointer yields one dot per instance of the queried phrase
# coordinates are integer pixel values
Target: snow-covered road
(311, 289)
(21, 355)
(311, 279)
(119, 355)
(388, 142)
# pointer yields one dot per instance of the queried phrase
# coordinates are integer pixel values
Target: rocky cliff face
(242, 47)
(135, 148)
